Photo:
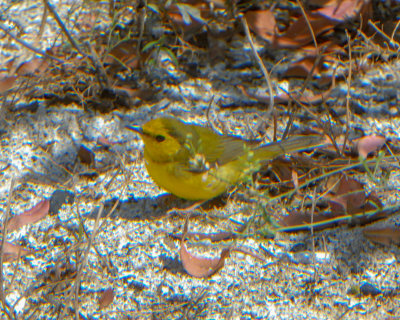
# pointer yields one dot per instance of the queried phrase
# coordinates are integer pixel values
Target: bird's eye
(160, 138)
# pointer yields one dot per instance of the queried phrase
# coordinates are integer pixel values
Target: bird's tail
(293, 144)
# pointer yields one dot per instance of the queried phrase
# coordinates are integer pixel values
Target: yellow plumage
(195, 163)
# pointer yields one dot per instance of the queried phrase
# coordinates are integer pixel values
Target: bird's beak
(136, 129)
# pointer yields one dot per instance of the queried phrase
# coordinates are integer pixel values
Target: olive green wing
(202, 148)
(218, 150)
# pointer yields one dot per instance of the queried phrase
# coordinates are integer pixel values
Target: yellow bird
(195, 163)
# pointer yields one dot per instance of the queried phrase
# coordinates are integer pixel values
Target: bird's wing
(219, 150)
(203, 149)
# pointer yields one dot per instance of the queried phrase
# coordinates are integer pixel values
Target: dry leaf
(349, 193)
(35, 65)
(213, 237)
(262, 23)
(106, 298)
(125, 54)
(341, 10)
(369, 144)
(300, 220)
(303, 67)
(298, 34)
(385, 236)
(29, 217)
(12, 251)
(7, 83)
(200, 267)
(86, 155)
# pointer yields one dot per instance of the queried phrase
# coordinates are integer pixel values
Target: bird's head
(162, 138)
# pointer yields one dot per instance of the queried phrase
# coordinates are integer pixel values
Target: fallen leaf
(29, 217)
(347, 196)
(302, 68)
(200, 267)
(385, 236)
(369, 144)
(213, 237)
(106, 298)
(341, 10)
(298, 34)
(262, 23)
(12, 251)
(303, 220)
(29, 67)
(86, 155)
(58, 199)
(7, 83)
(125, 54)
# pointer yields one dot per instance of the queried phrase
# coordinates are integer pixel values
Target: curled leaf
(31, 216)
(369, 144)
(200, 267)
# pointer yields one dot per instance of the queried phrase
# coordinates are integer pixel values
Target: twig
(393, 43)
(28, 46)
(348, 80)
(3, 240)
(308, 24)
(394, 33)
(142, 20)
(313, 205)
(85, 260)
(261, 65)
(51, 9)
(100, 73)
(318, 58)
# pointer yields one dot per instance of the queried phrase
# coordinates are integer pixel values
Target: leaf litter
(342, 197)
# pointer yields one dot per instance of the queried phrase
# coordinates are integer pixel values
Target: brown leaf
(86, 155)
(124, 53)
(349, 193)
(106, 298)
(341, 10)
(262, 23)
(300, 220)
(29, 217)
(200, 267)
(385, 236)
(302, 68)
(369, 144)
(213, 237)
(35, 65)
(143, 93)
(7, 83)
(12, 251)
(298, 34)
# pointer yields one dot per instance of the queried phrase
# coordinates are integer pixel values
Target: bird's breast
(176, 179)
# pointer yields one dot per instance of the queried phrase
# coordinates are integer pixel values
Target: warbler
(196, 163)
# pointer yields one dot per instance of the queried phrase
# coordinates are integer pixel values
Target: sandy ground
(332, 274)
